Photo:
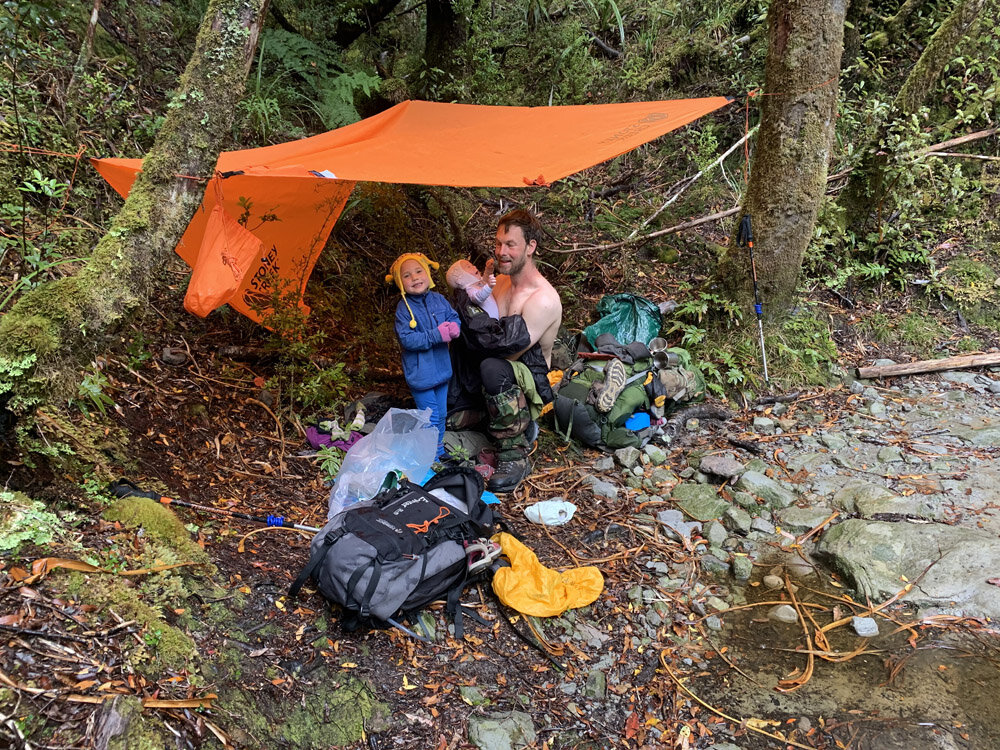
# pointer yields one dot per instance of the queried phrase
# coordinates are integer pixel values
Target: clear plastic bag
(403, 440)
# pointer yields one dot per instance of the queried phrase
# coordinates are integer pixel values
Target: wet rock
(876, 408)
(773, 581)
(603, 489)
(762, 525)
(597, 685)
(675, 525)
(173, 355)
(713, 565)
(605, 463)
(656, 454)
(699, 501)
(783, 613)
(771, 492)
(627, 457)
(713, 622)
(501, 731)
(798, 520)
(866, 627)
(722, 465)
(737, 519)
(877, 557)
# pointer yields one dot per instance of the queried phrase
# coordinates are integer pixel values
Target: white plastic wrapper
(403, 440)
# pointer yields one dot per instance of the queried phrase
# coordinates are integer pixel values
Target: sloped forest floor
(222, 657)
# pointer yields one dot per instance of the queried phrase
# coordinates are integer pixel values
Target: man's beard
(515, 266)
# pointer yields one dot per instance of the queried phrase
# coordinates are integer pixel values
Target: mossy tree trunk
(866, 190)
(55, 326)
(447, 33)
(789, 167)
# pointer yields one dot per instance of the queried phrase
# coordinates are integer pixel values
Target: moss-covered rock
(333, 713)
(159, 522)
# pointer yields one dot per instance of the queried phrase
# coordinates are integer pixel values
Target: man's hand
(448, 330)
(491, 278)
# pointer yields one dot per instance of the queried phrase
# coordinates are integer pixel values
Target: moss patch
(333, 713)
(164, 646)
(159, 522)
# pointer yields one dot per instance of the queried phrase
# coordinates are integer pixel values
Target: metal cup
(657, 345)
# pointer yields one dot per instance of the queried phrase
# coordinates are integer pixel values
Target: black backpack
(390, 556)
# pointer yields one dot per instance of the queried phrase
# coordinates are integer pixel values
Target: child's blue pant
(435, 399)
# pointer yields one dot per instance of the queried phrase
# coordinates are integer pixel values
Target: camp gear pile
(582, 411)
(408, 546)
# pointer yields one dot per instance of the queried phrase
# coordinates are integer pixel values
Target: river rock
(783, 613)
(627, 457)
(773, 581)
(771, 492)
(737, 519)
(866, 627)
(655, 454)
(676, 526)
(868, 494)
(798, 520)
(723, 465)
(501, 731)
(603, 489)
(700, 501)
(878, 558)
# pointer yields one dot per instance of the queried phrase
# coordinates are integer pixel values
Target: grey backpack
(403, 549)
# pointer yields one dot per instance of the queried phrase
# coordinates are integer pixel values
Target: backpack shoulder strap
(315, 559)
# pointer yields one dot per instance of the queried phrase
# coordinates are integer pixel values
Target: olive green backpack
(644, 391)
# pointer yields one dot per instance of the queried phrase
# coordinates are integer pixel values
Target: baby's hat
(423, 260)
(461, 274)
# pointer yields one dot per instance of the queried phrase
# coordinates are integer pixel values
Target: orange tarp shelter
(290, 195)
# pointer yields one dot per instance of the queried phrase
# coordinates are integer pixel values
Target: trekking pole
(744, 236)
(125, 488)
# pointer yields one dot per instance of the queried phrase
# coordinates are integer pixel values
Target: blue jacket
(426, 363)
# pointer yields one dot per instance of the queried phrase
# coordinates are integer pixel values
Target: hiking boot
(614, 381)
(509, 475)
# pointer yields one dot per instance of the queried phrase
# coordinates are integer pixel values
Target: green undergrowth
(801, 352)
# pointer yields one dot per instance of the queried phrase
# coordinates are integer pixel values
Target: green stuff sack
(627, 317)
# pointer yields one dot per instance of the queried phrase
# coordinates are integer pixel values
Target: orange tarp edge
(296, 190)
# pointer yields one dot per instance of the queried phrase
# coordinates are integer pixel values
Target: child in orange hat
(425, 323)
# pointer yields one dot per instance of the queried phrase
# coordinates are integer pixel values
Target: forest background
(897, 253)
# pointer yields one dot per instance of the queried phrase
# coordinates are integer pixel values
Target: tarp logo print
(636, 128)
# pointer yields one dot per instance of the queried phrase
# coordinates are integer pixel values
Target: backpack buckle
(480, 554)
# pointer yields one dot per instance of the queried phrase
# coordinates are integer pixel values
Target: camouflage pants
(509, 419)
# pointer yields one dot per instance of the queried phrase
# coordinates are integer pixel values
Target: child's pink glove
(448, 330)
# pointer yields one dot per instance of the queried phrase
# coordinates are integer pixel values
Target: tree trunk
(865, 188)
(447, 32)
(788, 172)
(53, 327)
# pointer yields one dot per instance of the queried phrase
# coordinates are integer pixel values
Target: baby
(463, 276)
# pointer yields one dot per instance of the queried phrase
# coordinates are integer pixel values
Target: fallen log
(930, 365)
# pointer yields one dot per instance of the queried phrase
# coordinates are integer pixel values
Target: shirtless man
(515, 352)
